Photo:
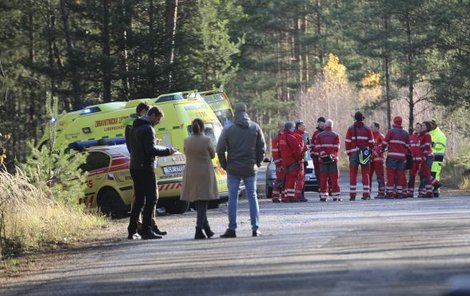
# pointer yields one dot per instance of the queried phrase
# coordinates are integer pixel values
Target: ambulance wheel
(177, 207)
(111, 204)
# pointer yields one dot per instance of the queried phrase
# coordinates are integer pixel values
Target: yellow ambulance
(180, 109)
(66, 131)
(104, 123)
(220, 104)
(109, 185)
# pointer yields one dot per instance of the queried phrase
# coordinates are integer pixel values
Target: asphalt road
(377, 247)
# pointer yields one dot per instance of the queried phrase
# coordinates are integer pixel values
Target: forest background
(288, 59)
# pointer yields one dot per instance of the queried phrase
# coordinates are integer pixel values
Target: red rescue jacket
(397, 140)
(313, 152)
(289, 149)
(377, 153)
(426, 144)
(358, 135)
(275, 150)
(299, 136)
(327, 143)
(415, 147)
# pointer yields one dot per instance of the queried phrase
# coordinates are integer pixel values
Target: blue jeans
(233, 183)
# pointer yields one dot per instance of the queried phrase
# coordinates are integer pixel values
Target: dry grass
(31, 219)
(456, 173)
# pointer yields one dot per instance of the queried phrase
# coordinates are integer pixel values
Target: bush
(58, 170)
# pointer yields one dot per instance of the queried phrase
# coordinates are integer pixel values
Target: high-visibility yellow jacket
(439, 141)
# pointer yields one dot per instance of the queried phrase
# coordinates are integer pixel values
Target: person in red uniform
(278, 185)
(314, 154)
(425, 186)
(397, 141)
(359, 138)
(377, 161)
(291, 152)
(299, 134)
(417, 154)
(327, 146)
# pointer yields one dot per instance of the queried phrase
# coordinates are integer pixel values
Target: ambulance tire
(111, 204)
(177, 206)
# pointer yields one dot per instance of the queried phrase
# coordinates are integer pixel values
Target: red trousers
(396, 180)
(377, 167)
(425, 186)
(278, 185)
(289, 185)
(329, 175)
(316, 166)
(299, 182)
(353, 169)
(412, 176)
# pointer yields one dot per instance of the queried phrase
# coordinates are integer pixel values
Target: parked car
(109, 185)
(311, 182)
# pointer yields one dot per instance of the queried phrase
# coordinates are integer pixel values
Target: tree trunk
(318, 32)
(304, 53)
(387, 74)
(106, 61)
(170, 28)
(32, 59)
(410, 60)
(123, 49)
(76, 89)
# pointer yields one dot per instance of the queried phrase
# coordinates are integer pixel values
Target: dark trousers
(145, 192)
(201, 208)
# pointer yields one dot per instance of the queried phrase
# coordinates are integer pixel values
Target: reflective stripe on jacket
(397, 140)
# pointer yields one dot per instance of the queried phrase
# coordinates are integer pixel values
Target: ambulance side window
(95, 161)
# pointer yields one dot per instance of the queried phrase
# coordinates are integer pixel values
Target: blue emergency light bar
(80, 145)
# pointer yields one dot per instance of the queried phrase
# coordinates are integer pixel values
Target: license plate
(173, 169)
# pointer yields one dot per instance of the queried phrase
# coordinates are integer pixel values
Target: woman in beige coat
(199, 183)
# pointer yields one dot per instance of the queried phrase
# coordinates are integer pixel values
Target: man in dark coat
(243, 141)
(142, 167)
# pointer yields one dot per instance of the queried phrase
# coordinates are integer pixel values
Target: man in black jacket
(142, 168)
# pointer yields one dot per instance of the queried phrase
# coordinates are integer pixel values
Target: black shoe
(199, 234)
(337, 199)
(276, 200)
(229, 233)
(158, 231)
(149, 235)
(303, 199)
(208, 231)
(365, 198)
(352, 199)
(256, 233)
(133, 236)
(322, 199)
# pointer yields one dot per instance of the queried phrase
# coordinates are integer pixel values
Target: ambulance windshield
(212, 130)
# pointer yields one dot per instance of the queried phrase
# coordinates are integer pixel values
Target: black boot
(229, 233)
(199, 234)
(208, 231)
(158, 231)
